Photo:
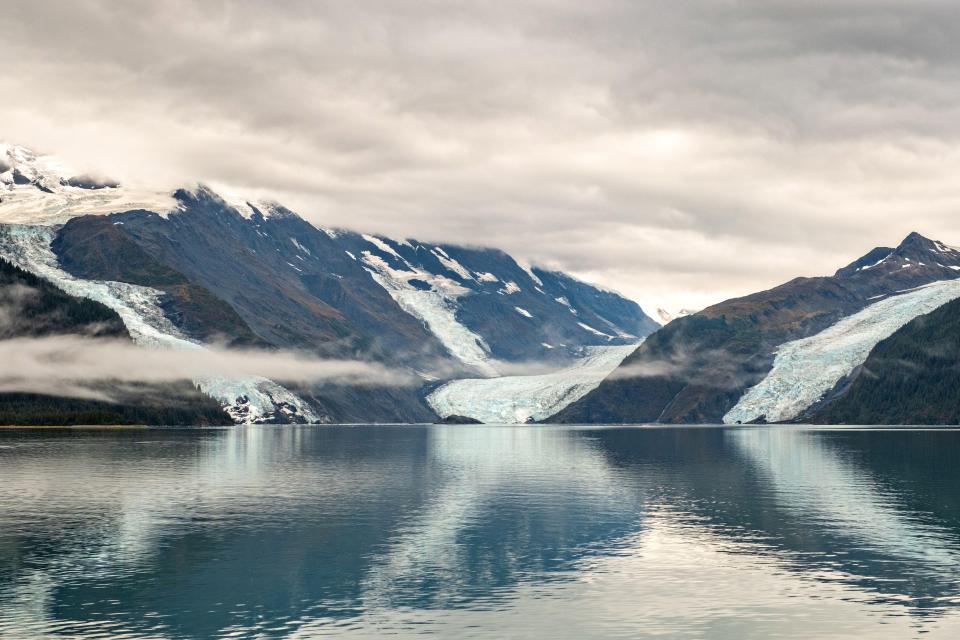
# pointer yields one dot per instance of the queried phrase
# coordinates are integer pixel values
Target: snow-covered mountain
(776, 355)
(193, 267)
(41, 189)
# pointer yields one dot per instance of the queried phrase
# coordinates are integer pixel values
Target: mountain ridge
(256, 273)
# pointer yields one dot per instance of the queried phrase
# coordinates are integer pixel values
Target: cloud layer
(677, 151)
(77, 366)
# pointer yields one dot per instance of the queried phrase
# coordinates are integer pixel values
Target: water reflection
(478, 531)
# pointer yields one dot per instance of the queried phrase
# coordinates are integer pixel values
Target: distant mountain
(777, 354)
(195, 267)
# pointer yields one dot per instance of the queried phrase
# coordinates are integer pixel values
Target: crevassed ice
(247, 400)
(806, 369)
(516, 399)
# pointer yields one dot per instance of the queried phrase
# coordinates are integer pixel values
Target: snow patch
(300, 246)
(943, 248)
(806, 369)
(587, 327)
(451, 264)
(523, 312)
(509, 288)
(487, 277)
(383, 246)
(871, 266)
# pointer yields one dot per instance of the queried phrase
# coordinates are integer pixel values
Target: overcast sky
(679, 152)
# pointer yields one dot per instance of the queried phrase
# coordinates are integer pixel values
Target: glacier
(805, 370)
(436, 308)
(248, 399)
(518, 399)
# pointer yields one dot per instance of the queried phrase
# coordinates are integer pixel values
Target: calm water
(492, 532)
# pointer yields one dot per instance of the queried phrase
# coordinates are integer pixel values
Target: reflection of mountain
(257, 529)
(329, 519)
(876, 510)
(480, 532)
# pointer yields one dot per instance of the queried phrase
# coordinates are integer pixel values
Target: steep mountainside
(31, 307)
(912, 377)
(93, 248)
(698, 367)
(194, 268)
(806, 371)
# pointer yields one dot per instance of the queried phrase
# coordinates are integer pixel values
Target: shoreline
(72, 426)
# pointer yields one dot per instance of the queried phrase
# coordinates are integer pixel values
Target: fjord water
(480, 531)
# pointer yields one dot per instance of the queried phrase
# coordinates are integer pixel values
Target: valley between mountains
(472, 331)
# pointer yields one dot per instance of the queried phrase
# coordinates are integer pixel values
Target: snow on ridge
(517, 399)
(49, 199)
(451, 264)
(529, 269)
(806, 369)
(26, 204)
(383, 246)
(247, 400)
(233, 200)
(871, 266)
(485, 276)
(523, 312)
(945, 248)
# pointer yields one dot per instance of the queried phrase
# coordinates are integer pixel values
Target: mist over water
(463, 531)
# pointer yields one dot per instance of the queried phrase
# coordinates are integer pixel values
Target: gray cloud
(76, 366)
(678, 152)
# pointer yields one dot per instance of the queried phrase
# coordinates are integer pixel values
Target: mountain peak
(914, 239)
(918, 247)
(914, 251)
